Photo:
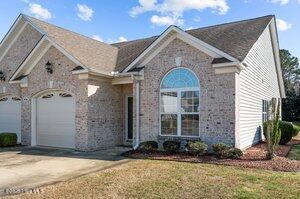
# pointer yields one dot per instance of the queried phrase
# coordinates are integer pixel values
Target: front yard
(294, 154)
(169, 179)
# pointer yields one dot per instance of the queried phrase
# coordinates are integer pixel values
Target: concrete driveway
(25, 168)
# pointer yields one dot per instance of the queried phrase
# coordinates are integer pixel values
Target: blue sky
(120, 20)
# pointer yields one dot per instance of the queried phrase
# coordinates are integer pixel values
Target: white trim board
(43, 51)
(19, 70)
(13, 41)
(165, 38)
(275, 44)
(10, 30)
(66, 53)
(44, 37)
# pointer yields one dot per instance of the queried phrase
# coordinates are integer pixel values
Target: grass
(166, 179)
(294, 154)
(296, 123)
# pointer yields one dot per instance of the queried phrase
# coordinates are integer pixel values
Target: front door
(129, 118)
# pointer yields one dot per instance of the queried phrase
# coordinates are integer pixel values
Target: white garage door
(10, 115)
(56, 120)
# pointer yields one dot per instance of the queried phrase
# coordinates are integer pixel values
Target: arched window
(179, 103)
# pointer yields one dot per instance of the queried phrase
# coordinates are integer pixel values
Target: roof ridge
(29, 17)
(232, 22)
(134, 40)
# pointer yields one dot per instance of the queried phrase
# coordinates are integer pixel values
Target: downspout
(137, 136)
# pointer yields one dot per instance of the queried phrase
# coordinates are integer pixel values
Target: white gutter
(137, 136)
(237, 64)
(126, 74)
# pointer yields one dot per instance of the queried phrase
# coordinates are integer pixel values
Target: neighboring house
(63, 89)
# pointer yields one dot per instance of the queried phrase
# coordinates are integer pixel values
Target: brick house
(62, 89)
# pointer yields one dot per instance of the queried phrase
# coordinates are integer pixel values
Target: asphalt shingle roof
(235, 39)
(91, 53)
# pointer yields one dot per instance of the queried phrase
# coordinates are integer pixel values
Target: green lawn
(166, 179)
(296, 123)
(294, 154)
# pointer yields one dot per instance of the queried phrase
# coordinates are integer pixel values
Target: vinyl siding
(257, 82)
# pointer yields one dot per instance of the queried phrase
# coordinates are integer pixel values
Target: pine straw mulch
(254, 157)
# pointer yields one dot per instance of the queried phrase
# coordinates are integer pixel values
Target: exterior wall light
(49, 67)
(2, 76)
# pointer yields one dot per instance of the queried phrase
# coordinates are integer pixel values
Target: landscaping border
(253, 157)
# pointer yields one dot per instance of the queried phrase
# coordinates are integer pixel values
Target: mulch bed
(254, 157)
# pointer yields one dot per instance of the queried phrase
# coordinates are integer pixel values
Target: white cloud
(190, 28)
(283, 25)
(197, 19)
(177, 7)
(84, 12)
(39, 11)
(172, 10)
(145, 5)
(166, 20)
(122, 39)
(281, 2)
(97, 37)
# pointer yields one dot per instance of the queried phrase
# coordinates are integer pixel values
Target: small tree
(272, 133)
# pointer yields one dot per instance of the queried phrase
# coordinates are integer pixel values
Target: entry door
(129, 118)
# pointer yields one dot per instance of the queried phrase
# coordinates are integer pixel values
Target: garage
(10, 115)
(55, 119)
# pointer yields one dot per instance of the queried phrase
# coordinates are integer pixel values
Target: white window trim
(265, 105)
(179, 112)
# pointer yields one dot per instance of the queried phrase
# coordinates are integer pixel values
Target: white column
(137, 136)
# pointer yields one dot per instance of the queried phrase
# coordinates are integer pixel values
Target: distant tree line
(291, 78)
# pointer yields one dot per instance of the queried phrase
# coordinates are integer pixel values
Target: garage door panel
(55, 141)
(55, 117)
(56, 121)
(59, 129)
(10, 116)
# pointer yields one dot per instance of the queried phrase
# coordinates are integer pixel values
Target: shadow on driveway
(25, 168)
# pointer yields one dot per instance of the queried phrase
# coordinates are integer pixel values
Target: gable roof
(235, 39)
(91, 53)
(129, 51)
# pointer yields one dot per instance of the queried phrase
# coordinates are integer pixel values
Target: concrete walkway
(25, 168)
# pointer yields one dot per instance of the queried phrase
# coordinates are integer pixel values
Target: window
(265, 107)
(3, 99)
(48, 96)
(16, 99)
(179, 103)
(65, 95)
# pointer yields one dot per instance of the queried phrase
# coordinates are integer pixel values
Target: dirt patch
(254, 157)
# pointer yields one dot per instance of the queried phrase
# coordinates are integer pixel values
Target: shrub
(8, 139)
(220, 149)
(196, 147)
(234, 153)
(287, 131)
(296, 130)
(171, 146)
(265, 125)
(271, 128)
(148, 146)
